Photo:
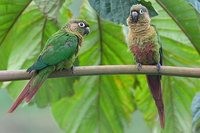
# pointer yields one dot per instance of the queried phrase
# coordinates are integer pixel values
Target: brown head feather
(139, 19)
(77, 26)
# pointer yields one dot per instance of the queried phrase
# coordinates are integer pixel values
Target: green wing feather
(61, 46)
(160, 43)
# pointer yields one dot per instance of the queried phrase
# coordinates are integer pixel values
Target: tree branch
(10, 75)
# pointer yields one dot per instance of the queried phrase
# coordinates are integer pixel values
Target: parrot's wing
(58, 48)
(160, 43)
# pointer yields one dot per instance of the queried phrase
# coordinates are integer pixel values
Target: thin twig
(10, 75)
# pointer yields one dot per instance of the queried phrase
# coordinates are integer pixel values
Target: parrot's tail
(22, 95)
(32, 87)
(156, 90)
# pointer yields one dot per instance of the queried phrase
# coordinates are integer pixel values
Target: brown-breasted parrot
(59, 52)
(144, 44)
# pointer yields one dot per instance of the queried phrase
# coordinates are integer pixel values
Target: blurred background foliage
(103, 104)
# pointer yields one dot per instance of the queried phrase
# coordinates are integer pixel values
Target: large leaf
(10, 12)
(24, 43)
(144, 101)
(101, 103)
(178, 97)
(64, 13)
(22, 40)
(56, 10)
(186, 17)
(118, 10)
(50, 8)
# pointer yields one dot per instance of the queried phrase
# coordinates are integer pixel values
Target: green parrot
(144, 44)
(59, 52)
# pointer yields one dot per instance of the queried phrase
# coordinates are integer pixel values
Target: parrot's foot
(72, 69)
(69, 69)
(158, 66)
(139, 66)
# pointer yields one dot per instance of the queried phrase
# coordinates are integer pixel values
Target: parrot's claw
(139, 66)
(72, 69)
(158, 66)
(69, 69)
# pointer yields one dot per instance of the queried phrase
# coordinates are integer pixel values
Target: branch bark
(11, 75)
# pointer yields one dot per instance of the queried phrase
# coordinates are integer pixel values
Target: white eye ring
(81, 24)
(141, 11)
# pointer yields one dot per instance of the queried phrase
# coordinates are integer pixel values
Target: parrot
(59, 52)
(144, 44)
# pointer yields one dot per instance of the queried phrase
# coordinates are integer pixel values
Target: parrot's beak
(134, 16)
(86, 31)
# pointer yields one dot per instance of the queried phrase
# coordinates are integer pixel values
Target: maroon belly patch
(144, 55)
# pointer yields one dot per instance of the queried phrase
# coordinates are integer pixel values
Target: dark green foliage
(118, 10)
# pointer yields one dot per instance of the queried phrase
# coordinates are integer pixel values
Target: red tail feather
(156, 90)
(32, 87)
(21, 97)
(32, 93)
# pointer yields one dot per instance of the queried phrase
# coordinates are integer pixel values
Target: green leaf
(16, 46)
(144, 101)
(56, 10)
(64, 13)
(50, 8)
(196, 114)
(118, 10)
(54, 90)
(100, 103)
(186, 17)
(10, 12)
(178, 97)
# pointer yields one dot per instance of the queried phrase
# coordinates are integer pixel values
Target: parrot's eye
(141, 11)
(81, 24)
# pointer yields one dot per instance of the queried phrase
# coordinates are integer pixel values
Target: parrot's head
(138, 14)
(79, 26)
